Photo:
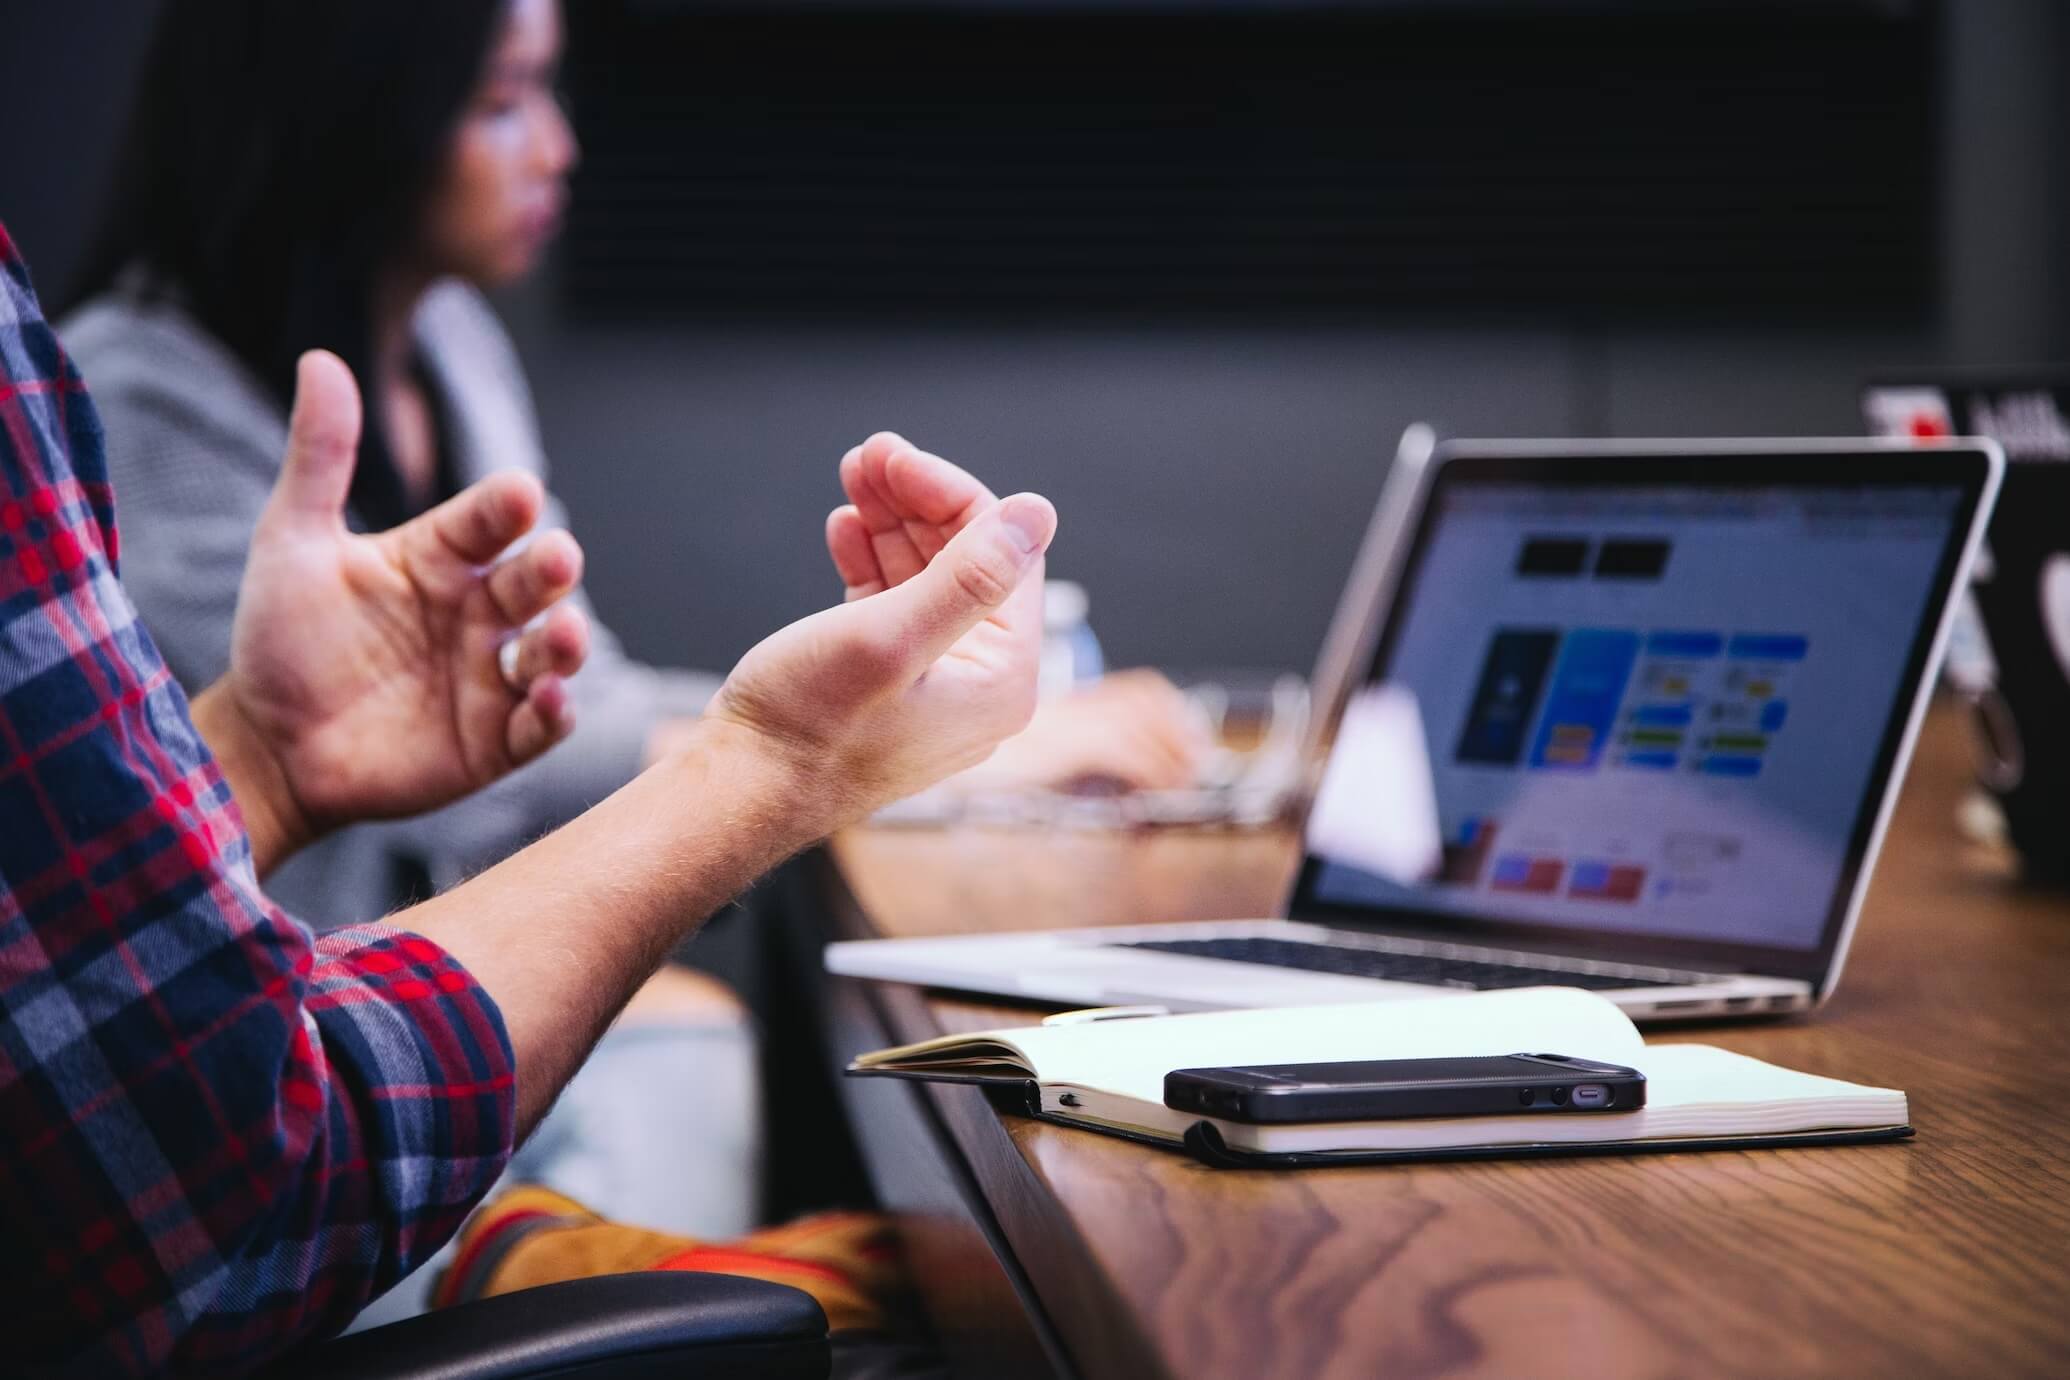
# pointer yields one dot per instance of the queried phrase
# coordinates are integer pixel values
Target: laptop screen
(1658, 709)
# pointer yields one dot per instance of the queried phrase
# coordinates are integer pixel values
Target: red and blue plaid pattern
(219, 1135)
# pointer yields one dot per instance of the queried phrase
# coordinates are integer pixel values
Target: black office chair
(676, 1323)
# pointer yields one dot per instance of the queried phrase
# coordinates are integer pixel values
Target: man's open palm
(374, 667)
(931, 660)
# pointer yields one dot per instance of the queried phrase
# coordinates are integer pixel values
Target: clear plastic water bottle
(1070, 653)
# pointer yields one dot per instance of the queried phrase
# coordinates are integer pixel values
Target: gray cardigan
(194, 444)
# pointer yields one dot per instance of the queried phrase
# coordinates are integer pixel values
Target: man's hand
(369, 676)
(927, 666)
(932, 659)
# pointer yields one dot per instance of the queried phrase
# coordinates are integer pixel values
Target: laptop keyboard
(1396, 967)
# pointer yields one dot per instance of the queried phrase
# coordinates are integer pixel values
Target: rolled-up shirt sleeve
(219, 1135)
(388, 1116)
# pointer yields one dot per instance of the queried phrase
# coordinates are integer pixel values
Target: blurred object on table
(1250, 778)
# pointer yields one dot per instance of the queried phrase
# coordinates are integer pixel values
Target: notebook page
(1691, 1086)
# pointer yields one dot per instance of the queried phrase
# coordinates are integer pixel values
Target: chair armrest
(676, 1323)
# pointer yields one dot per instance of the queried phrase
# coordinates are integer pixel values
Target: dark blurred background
(1190, 268)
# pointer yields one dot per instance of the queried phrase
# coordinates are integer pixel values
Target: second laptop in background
(2009, 653)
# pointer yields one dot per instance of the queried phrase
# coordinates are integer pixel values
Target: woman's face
(505, 184)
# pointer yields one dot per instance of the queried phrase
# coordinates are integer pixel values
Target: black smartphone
(1384, 1089)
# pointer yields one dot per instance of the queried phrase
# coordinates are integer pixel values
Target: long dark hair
(277, 162)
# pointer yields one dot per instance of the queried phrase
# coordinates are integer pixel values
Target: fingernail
(1028, 521)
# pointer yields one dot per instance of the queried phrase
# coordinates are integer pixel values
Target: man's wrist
(775, 793)
(272, 815)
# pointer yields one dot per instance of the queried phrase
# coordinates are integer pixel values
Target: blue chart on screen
(1586, 690)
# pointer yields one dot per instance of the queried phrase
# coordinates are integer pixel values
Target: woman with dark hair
(347, 174)
(343, 175)
(351, 174)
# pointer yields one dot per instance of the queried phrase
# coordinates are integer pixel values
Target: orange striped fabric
(532, 1236)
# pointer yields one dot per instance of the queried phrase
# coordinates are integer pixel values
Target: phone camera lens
(1526, 1096)
(1559, 1097)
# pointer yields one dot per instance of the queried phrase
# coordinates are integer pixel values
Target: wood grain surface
(1949, 1255)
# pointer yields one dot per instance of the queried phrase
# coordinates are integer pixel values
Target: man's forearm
(562, 933)
(272, 816)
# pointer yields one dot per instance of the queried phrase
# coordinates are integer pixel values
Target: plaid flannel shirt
(219, 1135)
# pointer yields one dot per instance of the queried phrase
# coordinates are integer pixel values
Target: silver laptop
(1662, 698)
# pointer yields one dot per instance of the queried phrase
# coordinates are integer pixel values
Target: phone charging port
(1591, 1095)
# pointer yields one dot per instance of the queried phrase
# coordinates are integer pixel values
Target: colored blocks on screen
(1568, 745)
(1516, 872)
(1552, 556)
(1739, 742)
(1632, 559)
(1772, 715)
(1462, 857)
(1601, 881)
(1651, 761)
(1581, 705)
(1687, 645)
(1731, 764)
(1512, 677)
(1663, 715)
(1770, 647)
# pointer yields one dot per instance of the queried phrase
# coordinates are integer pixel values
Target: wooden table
(1046, 1250)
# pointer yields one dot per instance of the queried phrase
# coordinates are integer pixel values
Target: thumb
(973, 577)
(323, 439)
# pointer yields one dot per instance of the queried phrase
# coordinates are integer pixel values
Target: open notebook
(1108, 1075)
